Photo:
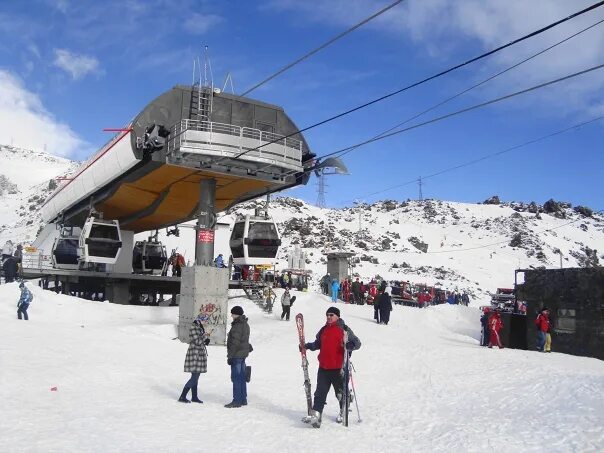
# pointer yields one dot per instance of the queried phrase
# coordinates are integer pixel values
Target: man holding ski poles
(335, 341)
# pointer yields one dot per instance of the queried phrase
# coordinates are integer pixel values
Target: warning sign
(205, 236)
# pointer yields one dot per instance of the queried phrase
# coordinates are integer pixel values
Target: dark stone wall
(575, 297)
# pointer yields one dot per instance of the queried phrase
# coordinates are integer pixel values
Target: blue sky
(70, 68)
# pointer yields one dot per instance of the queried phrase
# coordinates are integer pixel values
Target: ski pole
(356, 400)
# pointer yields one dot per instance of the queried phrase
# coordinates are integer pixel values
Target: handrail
(230, 129)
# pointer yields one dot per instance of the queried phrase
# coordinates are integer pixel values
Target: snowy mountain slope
(465, 246)
(423, 385)
(25, 182)
(474, 247)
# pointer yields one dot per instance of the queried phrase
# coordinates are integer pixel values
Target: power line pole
(321, 191)
(421, 195)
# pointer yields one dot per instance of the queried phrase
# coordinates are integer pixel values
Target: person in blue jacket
(24, 301)
(451, 298)
(219, 261)
(335, 287)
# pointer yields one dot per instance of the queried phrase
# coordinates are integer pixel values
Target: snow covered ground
(423, 384)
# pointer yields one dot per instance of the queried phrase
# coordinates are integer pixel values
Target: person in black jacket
(484, 321)
(385, 305)
(238, 348)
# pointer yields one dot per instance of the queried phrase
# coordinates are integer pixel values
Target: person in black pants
(334, 340)
(286, 304)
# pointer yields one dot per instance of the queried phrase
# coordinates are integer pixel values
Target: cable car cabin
(149, 257)
(65, 249)
(254, 241)
(100, 241)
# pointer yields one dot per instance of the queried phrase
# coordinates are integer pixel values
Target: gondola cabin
(65, 249)
(100, 241)
(149, 257)
(254, 240)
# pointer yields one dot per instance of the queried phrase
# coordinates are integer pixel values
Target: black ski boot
(183, 396)
(194, 398)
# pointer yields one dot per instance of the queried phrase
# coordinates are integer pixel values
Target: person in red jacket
(542, 323)
(346, 290)
(495, 326)
(333, 340)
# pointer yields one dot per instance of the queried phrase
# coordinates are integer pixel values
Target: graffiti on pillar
(211, 316)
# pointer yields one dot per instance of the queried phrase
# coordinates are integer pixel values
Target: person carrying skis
(24, 301)
(542, 323)
(495, 326)
(385, 306)
(196, 360)
(238, 348)
(286, 304)
(334, 340)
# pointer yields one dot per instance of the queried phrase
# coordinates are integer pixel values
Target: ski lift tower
(330, 166)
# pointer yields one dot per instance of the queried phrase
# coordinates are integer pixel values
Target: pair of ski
(343, 416)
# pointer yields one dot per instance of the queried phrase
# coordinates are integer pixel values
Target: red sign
(205, 236)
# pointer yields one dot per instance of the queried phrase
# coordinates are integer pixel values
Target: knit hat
(237, 310)
(334, 310)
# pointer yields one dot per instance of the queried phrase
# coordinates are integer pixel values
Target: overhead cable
(485, 157)
(482, 104)
(348, 149)
(415, 84)
(321, 47)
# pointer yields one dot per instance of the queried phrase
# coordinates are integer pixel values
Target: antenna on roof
(207, 66)
(228, 79)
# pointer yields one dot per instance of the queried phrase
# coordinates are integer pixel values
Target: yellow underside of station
(178, 190)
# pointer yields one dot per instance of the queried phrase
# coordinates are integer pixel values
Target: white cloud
(27, 124)
(199, 24)
(75, 65)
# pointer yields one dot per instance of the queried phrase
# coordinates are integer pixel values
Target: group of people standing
(492, 324)
(12, 260)
(335, 341)
(238, 348)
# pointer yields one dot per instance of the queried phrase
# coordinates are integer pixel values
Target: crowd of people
(355, 291)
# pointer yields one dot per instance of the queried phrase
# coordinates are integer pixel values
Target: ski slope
(423, 384)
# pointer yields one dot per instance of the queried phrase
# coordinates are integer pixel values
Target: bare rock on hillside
(492, 200)
(418, 244)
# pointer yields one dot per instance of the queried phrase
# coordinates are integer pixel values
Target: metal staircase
(254, 290)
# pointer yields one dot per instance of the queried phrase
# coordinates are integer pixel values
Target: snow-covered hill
(467, 246)
(423, 385)
(26, 179)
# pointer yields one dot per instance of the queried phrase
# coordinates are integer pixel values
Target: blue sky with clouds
(70, 68)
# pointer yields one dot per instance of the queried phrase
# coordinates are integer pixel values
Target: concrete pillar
(206, 221)
(124, 259)
(204, 291)
(118, 292)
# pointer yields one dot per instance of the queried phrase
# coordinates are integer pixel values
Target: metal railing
(36, 260)
(291, 148)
